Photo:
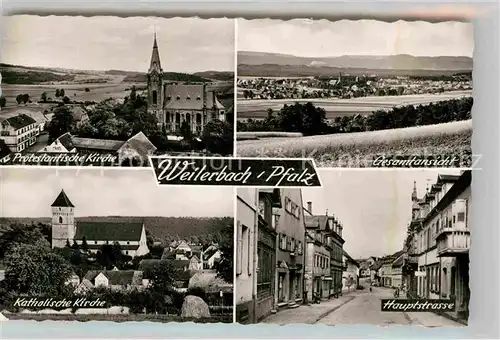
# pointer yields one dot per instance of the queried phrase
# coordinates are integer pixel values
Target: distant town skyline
(186, 45)
(374, 207)
(323, 38)
(29, 192)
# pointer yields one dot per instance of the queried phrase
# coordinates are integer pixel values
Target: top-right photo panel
(356, 93)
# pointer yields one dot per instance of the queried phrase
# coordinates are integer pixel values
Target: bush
(197, 291)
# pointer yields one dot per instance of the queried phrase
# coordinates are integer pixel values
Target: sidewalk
(308, 314)
(430, 319)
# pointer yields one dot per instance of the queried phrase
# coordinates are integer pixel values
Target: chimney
(310, 207)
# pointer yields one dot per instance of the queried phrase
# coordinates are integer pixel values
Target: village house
(290, 227)
(390, 275)
(337, 264)
(137, 147)
(19, 132)
(176, 104)
(124, 280)
(131, 236)
(375, 272)
(255, 262)
(318, 276)
(210, 256)
(350, 279)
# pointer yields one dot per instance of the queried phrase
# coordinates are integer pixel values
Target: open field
(257, 109)
(98, 92)
(360, 148)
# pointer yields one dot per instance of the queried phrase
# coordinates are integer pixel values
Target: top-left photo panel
(111, 91)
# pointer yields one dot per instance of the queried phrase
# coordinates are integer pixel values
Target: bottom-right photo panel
(380, 247)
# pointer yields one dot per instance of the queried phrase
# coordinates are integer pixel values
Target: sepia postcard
(356, 93)
(118, 89)
(372, 247)
(88, 245)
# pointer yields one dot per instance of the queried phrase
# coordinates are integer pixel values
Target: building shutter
(239, 253)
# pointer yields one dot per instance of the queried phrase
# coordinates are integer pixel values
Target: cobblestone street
(357, 308)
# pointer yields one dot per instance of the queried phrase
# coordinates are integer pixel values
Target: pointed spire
(414, 193)
(155, 57)
(62, 201)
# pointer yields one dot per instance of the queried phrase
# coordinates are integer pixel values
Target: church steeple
(155, 58)
(414, 196)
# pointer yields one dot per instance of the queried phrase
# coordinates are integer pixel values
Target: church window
(59, 209)
(198, 98)
(60, 219)
(95, 242)
(155, 97)
(188, 98)
(178, 97)
(168, 98)
(128, 242)
(107, 242)
(126, 252)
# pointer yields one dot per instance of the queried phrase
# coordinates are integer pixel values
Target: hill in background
(161, 228)
(275, 64)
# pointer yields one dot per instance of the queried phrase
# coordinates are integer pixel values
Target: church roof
(155, 58)
(109, 231)
(62, 201)
(97, 144)
(66, 141)
(190, 97)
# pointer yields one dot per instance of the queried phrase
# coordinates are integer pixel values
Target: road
(360, 307)
(365, 309)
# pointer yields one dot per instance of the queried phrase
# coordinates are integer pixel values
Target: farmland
(257, 109)
(76, 92)
(359, 149)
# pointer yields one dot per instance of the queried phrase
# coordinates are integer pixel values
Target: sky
(323, 38)
(29, 192)
(101, 43)
(374, 207)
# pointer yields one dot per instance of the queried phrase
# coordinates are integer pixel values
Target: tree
(225, 241)
(186, 131)
(66, 100)
(87, 89)
(218, 137)
(3, 101)
(34, 269)
(75, 245)
(58, 94)
(62, 122)
(68, 244)
(162, 276)
(16, 233)
(43, 97)
(85, 246)
(61, 93)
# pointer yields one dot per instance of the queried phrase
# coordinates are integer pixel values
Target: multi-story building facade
(337, 263)
(320, 233)
(439, 238)
(256, 253)
(290, 250)
(19, 132)
(350, 279)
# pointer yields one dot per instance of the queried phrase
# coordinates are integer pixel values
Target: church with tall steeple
(174, 104)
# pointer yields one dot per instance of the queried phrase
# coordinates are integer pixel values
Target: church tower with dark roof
(63, 221)
(155, 84)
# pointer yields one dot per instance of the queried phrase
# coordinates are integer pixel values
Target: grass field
(359, 149)
(257, 109)
(98, 92)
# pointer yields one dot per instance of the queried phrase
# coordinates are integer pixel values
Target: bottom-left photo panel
(112, 245)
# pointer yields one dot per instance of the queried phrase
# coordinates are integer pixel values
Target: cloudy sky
(322, 38)
(103, 43)
(95, 192)
(373, 206)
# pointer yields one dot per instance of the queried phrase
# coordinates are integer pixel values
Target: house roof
(109, 231)
(376, 265)
(398, 262)
(62, 201)
(20, 121)
(97, 144)
(209, 253)
(316, 221)
(78, 112)
(66, 141)
(190, 97)
(122, 247)
(350, 258)
(117, 277)
(141, 144)
(180, 263)
(167, 254)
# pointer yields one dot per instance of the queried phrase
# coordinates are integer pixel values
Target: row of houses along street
(292, 265)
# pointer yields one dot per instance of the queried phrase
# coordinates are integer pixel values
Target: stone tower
(155, 85)
(415, 205)
(63, 221)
